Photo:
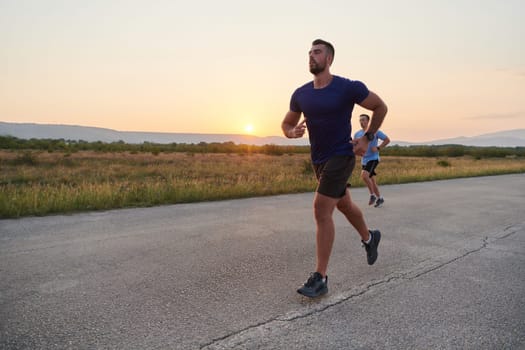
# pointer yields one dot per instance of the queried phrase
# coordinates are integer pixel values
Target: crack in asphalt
(351, 294)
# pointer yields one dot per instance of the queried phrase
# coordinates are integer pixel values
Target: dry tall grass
(44, 183)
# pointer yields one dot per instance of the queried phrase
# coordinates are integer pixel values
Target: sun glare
(248, 128)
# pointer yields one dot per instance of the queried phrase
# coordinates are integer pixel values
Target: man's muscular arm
(375, 104)
(290, 126)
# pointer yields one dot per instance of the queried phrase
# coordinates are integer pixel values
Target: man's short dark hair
(365, 115)
(329, 46)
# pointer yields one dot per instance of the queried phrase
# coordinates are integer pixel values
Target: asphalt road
(223, 275)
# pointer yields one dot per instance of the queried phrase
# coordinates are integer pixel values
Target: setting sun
(248, 128)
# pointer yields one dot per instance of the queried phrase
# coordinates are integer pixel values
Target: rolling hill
(507, 138)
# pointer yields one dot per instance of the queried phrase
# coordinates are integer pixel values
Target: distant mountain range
(508, 138)
(93, 134)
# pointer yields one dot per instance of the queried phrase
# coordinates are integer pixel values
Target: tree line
(71, 146)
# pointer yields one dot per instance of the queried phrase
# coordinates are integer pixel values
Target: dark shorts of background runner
(370, 167)
(333, 175)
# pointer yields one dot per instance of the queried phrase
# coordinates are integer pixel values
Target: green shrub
(26, 158)
(443, 163)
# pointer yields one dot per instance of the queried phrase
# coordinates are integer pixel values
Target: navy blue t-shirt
(328, 112)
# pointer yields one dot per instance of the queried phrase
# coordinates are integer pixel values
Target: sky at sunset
(444, 68)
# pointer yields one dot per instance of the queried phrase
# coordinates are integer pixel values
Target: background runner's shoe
(314, 286)
(371, 248)
(379, 202)
(372, 199)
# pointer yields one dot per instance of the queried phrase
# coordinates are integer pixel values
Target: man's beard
(316, 68)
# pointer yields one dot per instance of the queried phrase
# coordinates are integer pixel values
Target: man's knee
(323, 207)
(322, 213)
(344, 204)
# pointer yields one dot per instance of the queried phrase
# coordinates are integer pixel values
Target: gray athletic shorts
(332, 176)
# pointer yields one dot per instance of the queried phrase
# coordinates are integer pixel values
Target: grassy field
(41, 183)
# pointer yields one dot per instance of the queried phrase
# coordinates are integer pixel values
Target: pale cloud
(518, 73)
(514, 115)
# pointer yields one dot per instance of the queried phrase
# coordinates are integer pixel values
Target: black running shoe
(379, 202)
(371, 248)
(372, 199)
(315, 286)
